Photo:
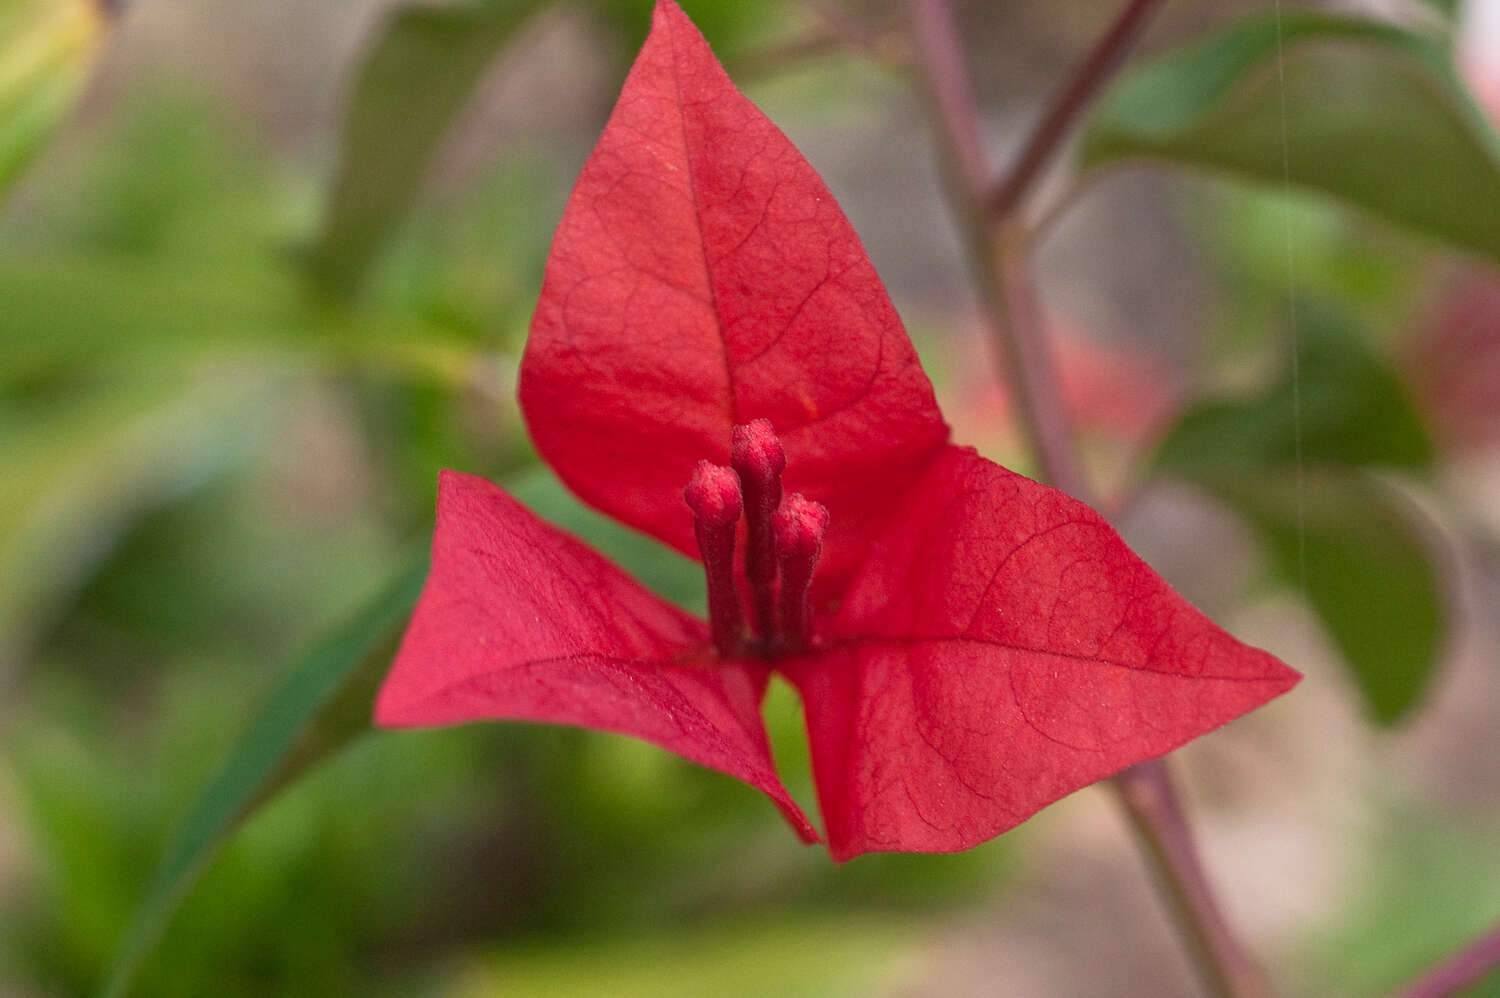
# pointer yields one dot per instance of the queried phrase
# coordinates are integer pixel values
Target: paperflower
(970, 645)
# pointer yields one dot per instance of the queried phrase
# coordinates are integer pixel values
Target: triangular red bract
(520, 621)
(1001, 648)
(703, 276)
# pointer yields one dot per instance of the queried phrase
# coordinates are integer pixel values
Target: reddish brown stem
(1467, 967)
(1149, 796)
(996, 254)
(1079, 91)
(1007, 292)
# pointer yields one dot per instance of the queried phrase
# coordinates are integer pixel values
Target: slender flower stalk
(713, 494)
(998, 247)
(800, 525)
(758, 458)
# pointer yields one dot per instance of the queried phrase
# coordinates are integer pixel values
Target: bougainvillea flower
(969, 645)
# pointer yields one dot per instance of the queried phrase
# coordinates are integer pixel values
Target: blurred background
(266, 268)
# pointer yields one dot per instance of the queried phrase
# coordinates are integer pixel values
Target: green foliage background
(229, 375)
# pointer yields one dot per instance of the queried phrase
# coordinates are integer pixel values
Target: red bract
(970, 645)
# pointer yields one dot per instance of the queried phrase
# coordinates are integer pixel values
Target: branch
(998, 252)
(1077, 94)
(998, 256)
(1468, 966)
(1155, 810)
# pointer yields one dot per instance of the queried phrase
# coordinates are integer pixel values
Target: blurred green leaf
(418, 74)
(166, 177)
(1367, 570)
(76, 475)
(1414, 902)
(94, 781)
(1363, 564)
(796, 957)
(1371, 114)
(729, 27)
(65, 313)
(322, 705)
(1372, 272)
(1349, 408)
(166, 245)
(46, 48)
(1449, 8)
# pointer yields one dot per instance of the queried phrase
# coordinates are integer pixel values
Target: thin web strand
(1291, 283)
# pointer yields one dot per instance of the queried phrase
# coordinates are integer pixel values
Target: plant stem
(998, 250)
(1149, 796)
(1468, 966)
(1082, 87)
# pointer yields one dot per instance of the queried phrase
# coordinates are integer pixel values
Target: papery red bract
(1001, 648)
(520, 621)
(986, 644)
(703, 276)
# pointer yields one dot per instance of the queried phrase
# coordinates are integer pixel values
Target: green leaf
(794, 956)
(1373, 115)
(1363, 564)
(1349, 406)
(1368, 574)
(417, 76)
(729, 27)
(65, 313)
(322, 705)
(1448, 8)
(76, 477)
(46, 49)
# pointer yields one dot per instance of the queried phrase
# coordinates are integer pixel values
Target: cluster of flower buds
(783, 538)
